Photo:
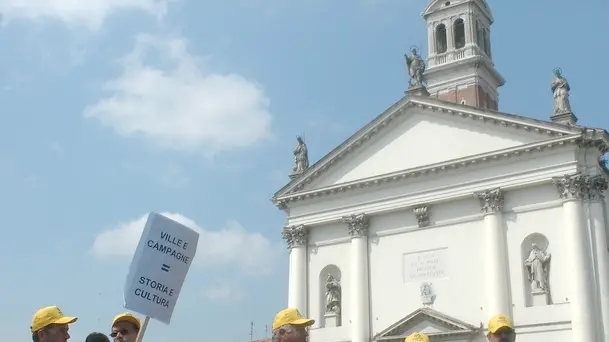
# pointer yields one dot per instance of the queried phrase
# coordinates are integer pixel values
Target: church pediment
(419, 132)
(436, 325)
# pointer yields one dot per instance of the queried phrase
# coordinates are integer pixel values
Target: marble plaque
(425, 265)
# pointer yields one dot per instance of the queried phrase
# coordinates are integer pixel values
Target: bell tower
(460, 67)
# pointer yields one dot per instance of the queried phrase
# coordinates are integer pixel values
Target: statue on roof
(416, 68)
(560, 88)
(301, 157)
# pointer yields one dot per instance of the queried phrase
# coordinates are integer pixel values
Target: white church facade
(442, 211)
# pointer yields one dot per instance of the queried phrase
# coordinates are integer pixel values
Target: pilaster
(496, 266)
(596, 186)
(573, 189)
(357, 227)
(296, 238)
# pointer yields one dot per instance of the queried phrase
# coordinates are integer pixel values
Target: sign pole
(140, 335)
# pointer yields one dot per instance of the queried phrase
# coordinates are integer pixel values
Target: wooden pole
(140, 335)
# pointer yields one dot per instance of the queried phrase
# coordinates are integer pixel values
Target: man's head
(501, 329)
(49, 324)
(417, 337)
(290, 326)
(125, 327)
(97, 337)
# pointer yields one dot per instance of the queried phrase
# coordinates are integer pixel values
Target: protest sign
(159, 266)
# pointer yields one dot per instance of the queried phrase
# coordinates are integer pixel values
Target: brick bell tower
(460, 67)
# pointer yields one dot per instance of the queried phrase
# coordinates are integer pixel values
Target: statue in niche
(537, 265)
(301, 157)
(560, 88)
(416, 68)
(332, 295)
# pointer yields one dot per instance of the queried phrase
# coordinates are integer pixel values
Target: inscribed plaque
(425, 265)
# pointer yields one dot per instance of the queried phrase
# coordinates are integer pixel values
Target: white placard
(159, 267)
(425, 265)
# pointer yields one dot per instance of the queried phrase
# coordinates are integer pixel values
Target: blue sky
(113, 108)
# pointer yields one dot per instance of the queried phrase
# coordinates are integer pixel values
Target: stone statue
(332, 295)
(537, 265)
(560, 89)
(416, 67)
(427, 295)
(301, 157)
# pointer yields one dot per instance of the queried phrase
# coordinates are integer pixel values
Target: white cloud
(231, 246)
(177, 104)
(223, 292)
(77, 13)
(173, 176)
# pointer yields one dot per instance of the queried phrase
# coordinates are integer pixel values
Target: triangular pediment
(418, 132)
(434, 324)
(436, 5)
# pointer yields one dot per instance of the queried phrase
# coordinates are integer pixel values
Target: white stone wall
(457, 229)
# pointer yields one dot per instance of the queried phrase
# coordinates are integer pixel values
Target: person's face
(503, 335)
(123, 332)
(297, 334)
(55, 333)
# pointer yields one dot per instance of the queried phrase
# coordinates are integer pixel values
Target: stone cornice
(427, 171)
(509, 121)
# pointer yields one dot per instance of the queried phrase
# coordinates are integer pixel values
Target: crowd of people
(49, 324)
(290, 326)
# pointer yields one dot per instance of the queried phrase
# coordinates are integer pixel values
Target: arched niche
(441, 41)
(533, 294)
(459, 33)
(330, 290)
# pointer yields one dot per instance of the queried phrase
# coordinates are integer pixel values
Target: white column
(596, 187)
(496, 266)
(296, 238)
(431, 40)
(358, 283)
(584, 313)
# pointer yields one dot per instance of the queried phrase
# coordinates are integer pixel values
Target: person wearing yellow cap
(417, 337)
(290, 326)
(49, 324)
(501, 329)
(125, 327)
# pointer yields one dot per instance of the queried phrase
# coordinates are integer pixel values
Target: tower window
(479, 39)
(459, 33)
(485, 41)
(441, 38)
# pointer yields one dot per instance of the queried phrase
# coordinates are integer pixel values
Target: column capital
(491, 200)
(357, 224)
(295, 236)
(573, 186)
(596, 186)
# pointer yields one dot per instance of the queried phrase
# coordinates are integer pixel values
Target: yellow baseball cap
(417, 337)
(498, 322)
(291, 316)
(49, 315)
(127, 317)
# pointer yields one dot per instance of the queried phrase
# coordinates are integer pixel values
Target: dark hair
(97, 337)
